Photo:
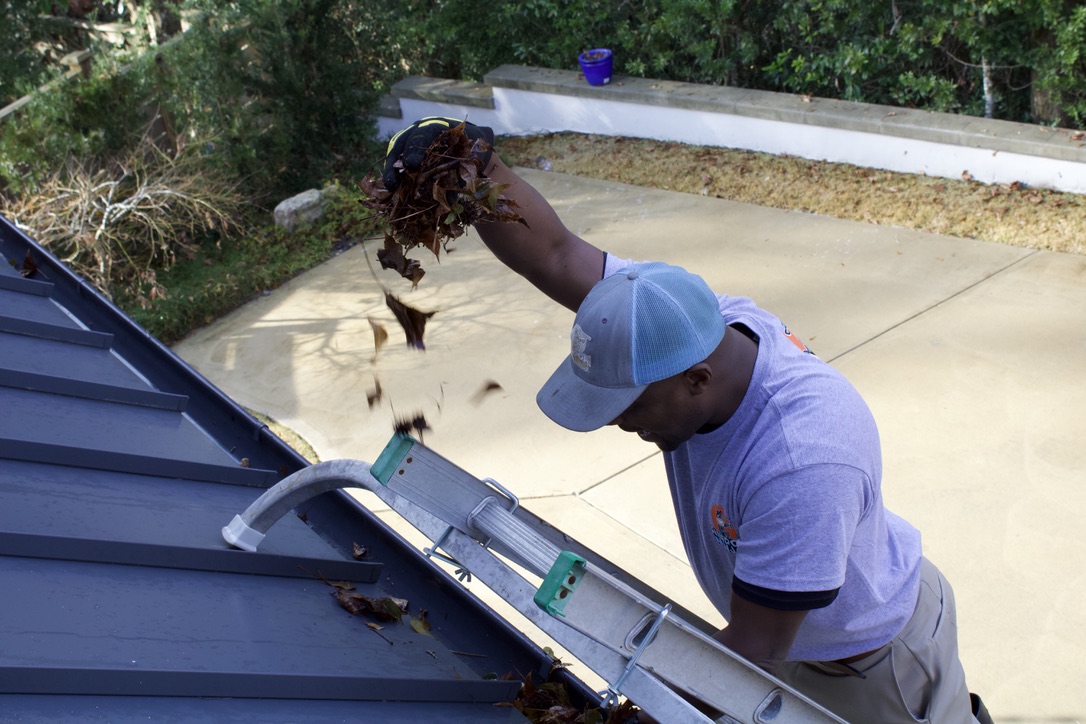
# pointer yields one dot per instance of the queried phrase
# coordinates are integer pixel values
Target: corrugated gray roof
(119, 465)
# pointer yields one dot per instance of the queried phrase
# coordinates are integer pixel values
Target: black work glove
(409, 145)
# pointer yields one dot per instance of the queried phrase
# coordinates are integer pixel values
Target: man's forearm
(561, 264)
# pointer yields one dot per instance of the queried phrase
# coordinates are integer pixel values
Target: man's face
(665, 414)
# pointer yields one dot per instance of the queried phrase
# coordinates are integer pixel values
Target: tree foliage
(1017, 59)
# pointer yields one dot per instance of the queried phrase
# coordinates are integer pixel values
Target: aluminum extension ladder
(646, 652)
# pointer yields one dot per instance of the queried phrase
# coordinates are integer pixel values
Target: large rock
(305, 208)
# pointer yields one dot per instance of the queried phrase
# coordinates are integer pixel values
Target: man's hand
(407, 149)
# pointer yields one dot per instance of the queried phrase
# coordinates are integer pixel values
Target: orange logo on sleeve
(796, 340)
(723, 530)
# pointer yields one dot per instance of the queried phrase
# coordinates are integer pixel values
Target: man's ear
(698, 378)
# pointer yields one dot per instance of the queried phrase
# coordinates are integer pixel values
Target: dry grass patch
(1007, 214)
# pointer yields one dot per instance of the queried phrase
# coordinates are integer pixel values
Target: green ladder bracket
(561, 581)
(388, 462)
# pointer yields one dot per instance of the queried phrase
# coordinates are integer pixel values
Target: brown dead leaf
(966, 176)
(438, 202)
(359, 552)
(384, 609)
(416, 425)
(29, 265)
(374, 395)
(392, 257)
(412, 320)
(380, 335)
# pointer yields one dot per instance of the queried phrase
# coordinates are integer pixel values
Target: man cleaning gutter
(772, 458)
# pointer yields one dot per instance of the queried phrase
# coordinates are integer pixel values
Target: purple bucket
(596, 66)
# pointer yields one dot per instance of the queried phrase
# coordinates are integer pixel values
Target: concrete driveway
(971, 355)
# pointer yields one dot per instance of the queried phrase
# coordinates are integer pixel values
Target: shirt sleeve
(795, 532)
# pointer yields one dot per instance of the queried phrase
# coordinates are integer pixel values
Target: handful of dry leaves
(436, 202)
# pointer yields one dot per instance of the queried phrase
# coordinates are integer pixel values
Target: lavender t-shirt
(786, 496)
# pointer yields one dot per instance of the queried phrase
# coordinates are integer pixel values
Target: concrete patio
(971, 356)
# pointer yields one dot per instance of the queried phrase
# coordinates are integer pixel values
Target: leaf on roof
(420, 623)
(383, 609)
(29, 265)
(550, 703)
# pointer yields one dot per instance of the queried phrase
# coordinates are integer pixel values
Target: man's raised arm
(558, 262)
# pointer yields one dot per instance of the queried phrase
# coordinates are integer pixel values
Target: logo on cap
(578, 341)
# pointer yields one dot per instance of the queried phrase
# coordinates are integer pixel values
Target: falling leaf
(380, 335)
(488, 387)
(413, 425)
(359, 551)
(374, 395)
(392, 257)
(412, 320)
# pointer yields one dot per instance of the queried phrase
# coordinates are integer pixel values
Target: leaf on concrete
(412, 320)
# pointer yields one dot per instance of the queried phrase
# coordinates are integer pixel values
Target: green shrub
(924, 53)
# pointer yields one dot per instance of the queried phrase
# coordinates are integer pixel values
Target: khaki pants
(917, 677)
